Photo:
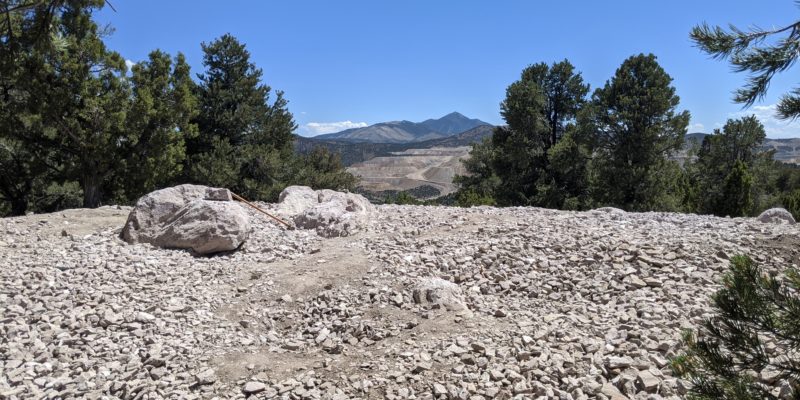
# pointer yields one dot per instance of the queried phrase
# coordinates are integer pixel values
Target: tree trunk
(92, 193)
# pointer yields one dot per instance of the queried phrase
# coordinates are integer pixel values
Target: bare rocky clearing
(412, 168)
(559, 305)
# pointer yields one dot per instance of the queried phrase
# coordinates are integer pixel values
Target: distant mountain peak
(454, 114)
(453, 123)
(406, 131)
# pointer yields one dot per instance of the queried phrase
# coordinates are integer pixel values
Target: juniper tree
(479, 185)
(71, 114)
(538, 110)
(724, 165)
(70, 92)
(762, 53)
(27, 37)
(753, 340)
(245, 139)
(158, 124)
(322, 169)
(635, 126)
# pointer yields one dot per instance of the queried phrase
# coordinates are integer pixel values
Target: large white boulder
(330, 220)
(203, 219)
(295, 199)
(438, 292)
(609, 210)
(352, 202)
(328, 212)
(776, 216)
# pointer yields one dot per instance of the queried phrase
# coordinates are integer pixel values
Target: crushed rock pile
(423, 302)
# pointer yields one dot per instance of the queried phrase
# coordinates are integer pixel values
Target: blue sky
(350, 63)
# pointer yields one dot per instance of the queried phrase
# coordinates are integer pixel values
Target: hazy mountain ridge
(786, 150)
(452, 124)
(407, 131)
(356, 152)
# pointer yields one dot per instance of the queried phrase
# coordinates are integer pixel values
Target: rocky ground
(409, 169)
(558, 305)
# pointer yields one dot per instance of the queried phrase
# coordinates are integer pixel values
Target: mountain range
(356, 152)
(406, 156)
(407, 131)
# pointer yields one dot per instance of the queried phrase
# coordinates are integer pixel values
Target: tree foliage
(481, 181)
(635, 126)
(729, 358)
(235, 104)
(724, 166)
(158, 124)
(753, 52)
(323, 169)
(514, 167)
(559, 150)
(245, 137)
(64, 98)
(71, 113)
(74, 122)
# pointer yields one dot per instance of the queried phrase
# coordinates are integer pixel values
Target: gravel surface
(548, 304)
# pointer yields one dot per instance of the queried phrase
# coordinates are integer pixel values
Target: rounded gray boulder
(203, 219)
(438, 292)
(776, 216)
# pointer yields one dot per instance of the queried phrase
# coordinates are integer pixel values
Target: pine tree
(71, 94)
(72, 116)
(748, 51)
(538, 109)
(158, 123)
(737, 197)
(724, 165)
(728, 358)
(233, 101)
(244, 141)
(634, 126)
(323, 169)
(568, 183)
(479, 185)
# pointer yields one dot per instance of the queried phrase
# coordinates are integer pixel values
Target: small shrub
(469, 198)
(728, 357)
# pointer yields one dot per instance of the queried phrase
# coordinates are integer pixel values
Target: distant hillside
(452, 124)
(407, 131)
(696, 137)
(356, 152)
(474, 135)
(786, 150)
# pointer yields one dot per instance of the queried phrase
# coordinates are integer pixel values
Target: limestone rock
(352, 202)
(335, 214)
(195, 217)
(253, 387)
(611, 392)
(292, 315)
(647, 381)
(295, 199)
(206, 227)
(609, 210)
(439, 292)
(776, 216)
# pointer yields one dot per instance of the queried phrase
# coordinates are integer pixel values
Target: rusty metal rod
(242, 199)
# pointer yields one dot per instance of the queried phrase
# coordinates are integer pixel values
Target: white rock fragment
(295, 199)
(776, 216)
(439, 293)
(253, 387)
